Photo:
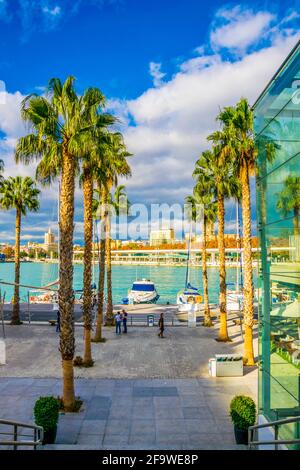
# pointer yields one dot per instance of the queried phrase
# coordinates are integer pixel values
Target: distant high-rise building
(49, 241)
(162, 236)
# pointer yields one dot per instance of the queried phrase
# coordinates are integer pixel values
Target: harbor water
(168, 279)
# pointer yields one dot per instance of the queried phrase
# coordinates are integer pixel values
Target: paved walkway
(32, 351)
(143, 392)
(142, 413)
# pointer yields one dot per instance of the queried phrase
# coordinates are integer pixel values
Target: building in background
(277, 129)
(49, 242)
(164, 236)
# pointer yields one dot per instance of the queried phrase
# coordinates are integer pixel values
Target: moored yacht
(143, 291)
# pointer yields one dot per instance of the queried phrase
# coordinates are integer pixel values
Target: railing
(253, 440)
(17, 432)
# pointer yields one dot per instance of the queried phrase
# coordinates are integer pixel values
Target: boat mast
(239, 262)
(237, 246)
(187, 274)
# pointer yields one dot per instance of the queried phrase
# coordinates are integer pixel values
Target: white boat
(234, 301)
(186, 297)
(43, 297)
(189, 295)
(143, 291)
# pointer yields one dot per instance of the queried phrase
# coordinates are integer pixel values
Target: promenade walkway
(143, 392)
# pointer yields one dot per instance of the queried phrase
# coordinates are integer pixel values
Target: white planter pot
(229, 368)
(2, 352)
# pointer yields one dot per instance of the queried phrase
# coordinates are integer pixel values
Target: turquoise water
(168, 279)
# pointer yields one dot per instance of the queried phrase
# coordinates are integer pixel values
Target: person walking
(118, 318)
(161, 325)
(58, 321)
(124, 316)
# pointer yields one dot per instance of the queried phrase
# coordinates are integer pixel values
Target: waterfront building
(162, 236)
(277, 130)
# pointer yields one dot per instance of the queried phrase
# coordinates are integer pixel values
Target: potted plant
(243, 415)
(46, 415)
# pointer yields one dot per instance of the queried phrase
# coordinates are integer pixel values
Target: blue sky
(165, 66)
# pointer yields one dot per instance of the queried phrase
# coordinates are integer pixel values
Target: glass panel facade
(277, 129)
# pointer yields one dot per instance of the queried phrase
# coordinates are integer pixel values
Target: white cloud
(12, 126)
(238, 28)
(156, 73)
(10, 118)
(52, 11)
(171, 123)
(166, 126)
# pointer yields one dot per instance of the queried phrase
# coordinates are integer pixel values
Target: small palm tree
(117, 203)
(114, 165)
(22, 195)
(203, 199)
(99, 210)
(203, 191)
(289, 200)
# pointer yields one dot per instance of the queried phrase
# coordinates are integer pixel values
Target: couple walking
(121, 317)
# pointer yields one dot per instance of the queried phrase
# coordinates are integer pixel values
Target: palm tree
(215, 167)
(289, 200)
(62, 134)
(100, 204)
(114, 165)
(239, 122)
(116, 205)
(202, 198)
(90, 166)
(204, 192)
(22, 195)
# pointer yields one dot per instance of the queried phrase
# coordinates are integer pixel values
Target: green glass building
(277, 130)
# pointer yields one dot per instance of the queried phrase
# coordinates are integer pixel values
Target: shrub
(74, 409)
(78, 361)
(46, 412)
(243, 411)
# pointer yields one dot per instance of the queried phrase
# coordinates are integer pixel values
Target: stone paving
(140, 413)
(32, 351)
(143, 392)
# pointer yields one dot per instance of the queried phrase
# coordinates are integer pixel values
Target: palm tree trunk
(15, 319)
(87, 261)
(210, 228)
(98, 334)
(109, 308)
(207, 317)
(223, 332)
(66, 294)
(248, 281)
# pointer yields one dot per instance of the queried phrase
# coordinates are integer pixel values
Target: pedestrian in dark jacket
(161, 325)
(58, 321)
(124, 317)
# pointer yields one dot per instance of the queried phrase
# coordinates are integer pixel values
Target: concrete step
(136, 447)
